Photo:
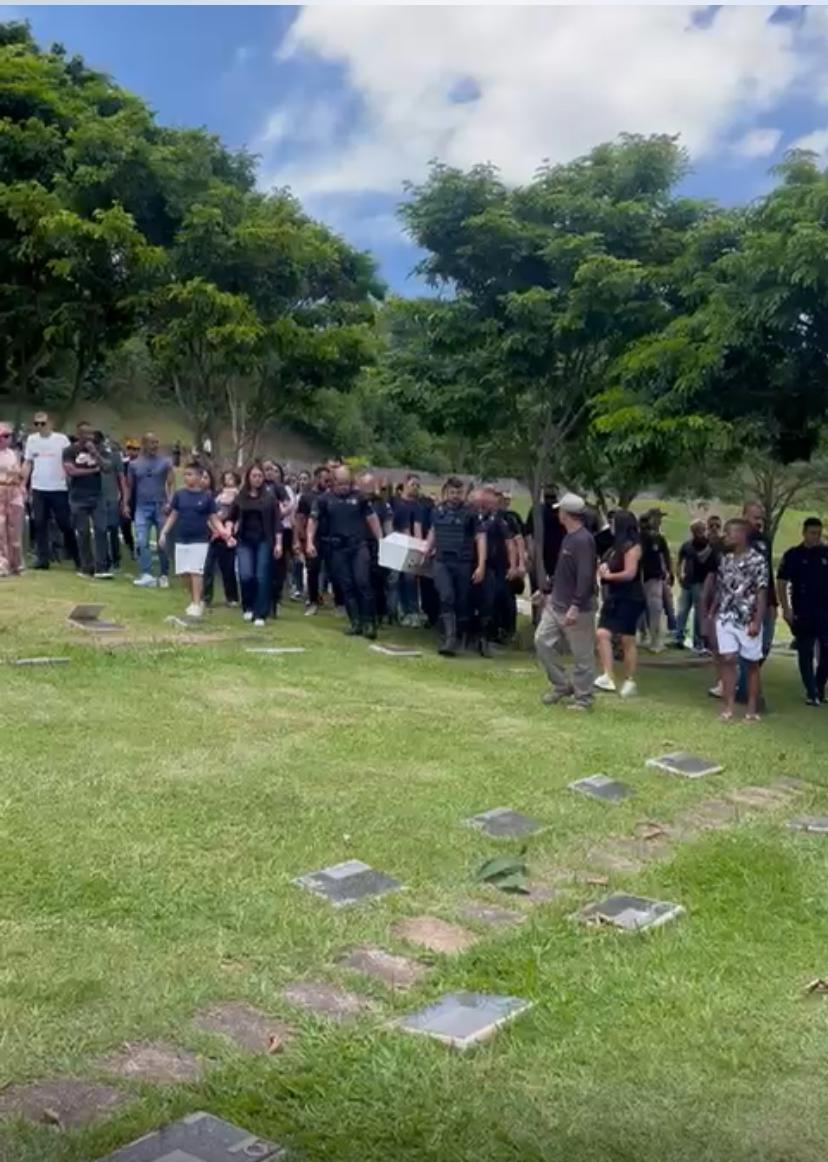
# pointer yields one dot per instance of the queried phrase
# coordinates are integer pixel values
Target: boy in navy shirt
(194, 514)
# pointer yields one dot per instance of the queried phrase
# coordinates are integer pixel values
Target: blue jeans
(768, 630)
(147, 516)
(689, 599)
(404, 594)
(254, 561)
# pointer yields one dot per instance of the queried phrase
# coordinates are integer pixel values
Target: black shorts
(622, 615)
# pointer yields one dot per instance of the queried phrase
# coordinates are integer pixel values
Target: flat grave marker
(347, 883)
(602, 787)
(630, 913)
(814, 824)
(393, 651)
(41, 661)
(689, 766)
(504, 823)
(463, 1019)
(199, 1137)
(88, 617)
(275, 650)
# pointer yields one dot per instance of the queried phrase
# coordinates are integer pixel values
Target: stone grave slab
(159, 1064)
(397, 971)
(602, 787)
(247, 1027)
(199, 1137)
(816, 824)
(630, 913)
(393, 651)
(491, 914)
(688, 766)
(41, 662)
(504, 823)
(275, 650)
(326, 1000)
(88, 617)
(65, 1102)
(347, 883)
(463, 1019)
(434, 934)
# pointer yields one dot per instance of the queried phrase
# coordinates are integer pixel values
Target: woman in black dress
(623, 601)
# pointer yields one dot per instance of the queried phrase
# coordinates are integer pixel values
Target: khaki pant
(550, 635)
(654, 594)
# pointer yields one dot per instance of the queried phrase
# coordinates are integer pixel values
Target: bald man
(350, 520)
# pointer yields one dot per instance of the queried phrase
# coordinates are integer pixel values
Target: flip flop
(753, 718)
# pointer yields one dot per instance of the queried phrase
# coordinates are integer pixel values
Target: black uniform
(806, 571)
(455, 529)
(429, 602)
(345, 516)
(491, 597)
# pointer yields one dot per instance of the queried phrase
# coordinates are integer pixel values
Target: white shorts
(732, 639)
(190, 558)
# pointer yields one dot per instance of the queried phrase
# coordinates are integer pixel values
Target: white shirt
(46, 455)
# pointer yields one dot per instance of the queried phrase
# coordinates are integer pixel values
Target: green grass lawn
(156, 801)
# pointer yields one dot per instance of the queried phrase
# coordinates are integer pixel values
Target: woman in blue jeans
(257, 527)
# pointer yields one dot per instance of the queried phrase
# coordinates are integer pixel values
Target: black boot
(484, 646)
(448, 638)
(354, 627)
(369, 629)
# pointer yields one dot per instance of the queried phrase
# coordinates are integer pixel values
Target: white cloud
(816, 142)
(552, 82)
(757, 143)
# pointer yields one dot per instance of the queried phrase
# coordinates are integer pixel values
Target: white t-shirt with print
(46, 455)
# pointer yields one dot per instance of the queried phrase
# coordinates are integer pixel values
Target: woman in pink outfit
(11, 506)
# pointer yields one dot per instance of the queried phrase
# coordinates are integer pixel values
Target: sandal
(726, 716)
(753, 718)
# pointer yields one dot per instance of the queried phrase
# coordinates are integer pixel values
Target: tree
(548, 284)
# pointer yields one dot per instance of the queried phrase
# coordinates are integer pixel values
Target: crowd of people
(600, 588)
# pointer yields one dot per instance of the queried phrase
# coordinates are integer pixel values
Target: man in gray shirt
(569, 613)
(151, 478)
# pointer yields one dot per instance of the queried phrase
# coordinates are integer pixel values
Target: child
(222, 550)
(194, 516)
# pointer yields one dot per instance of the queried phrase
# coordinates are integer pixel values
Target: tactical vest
(453, 535)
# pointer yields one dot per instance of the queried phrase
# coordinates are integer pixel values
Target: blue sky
(344, 104)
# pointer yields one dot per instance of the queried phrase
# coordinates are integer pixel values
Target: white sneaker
(163, 582)
(259, 623)
(248, 615)
(629, 689)
(605, 682)
(191, 610)
(716, 691)
(311, 610)
(145, 581)
(197, 609)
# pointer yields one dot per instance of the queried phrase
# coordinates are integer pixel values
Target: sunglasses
(40, 423)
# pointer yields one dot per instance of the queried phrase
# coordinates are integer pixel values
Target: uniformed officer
(369, 487)
(350, 520)
(516, 577)
(321, 483)
(491, 596)
(802, 588)
(458, 545)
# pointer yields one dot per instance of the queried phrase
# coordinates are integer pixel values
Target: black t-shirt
(346, 514)
(258, 517)
(384, 512)
(514, 521)
(757, 540)
(426, 513)
(701, 559)
(806, 571)
(632, 590)
(654, 553)
(498, 531)
(83, 487)
(405, 513)
(553, 535)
